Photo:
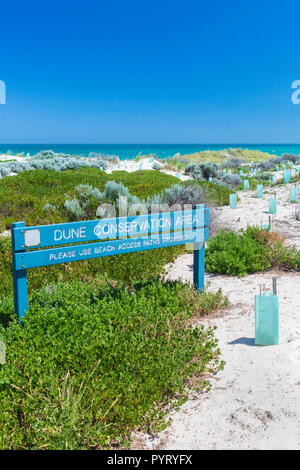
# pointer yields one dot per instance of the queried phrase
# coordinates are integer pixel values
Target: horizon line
(150, 143)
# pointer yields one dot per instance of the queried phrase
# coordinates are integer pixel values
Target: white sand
(123, 165)
(255, 402)
(253, 211)
(4, 158)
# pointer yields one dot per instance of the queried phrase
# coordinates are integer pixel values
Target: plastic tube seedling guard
(286, 176)
(267, 317)
(267, 226)
(259, 191)
(233, 201)
(273, 205)
(246, 185)
(294, 194)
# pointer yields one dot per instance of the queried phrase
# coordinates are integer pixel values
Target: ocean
(130, 151)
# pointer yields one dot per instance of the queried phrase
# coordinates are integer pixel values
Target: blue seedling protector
(259, 191)
(246, 185)
(233, 201)
(293, 195)
(272, 205)
(266, 319)
(266, 227)
(286, 176)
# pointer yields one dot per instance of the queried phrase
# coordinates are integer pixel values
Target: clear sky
(144, 71)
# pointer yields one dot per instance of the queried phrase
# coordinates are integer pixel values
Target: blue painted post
(19, 280)
(199, 260)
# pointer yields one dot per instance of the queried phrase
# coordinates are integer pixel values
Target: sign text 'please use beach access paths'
(105, 237)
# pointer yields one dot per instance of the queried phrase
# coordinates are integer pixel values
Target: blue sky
(149, 72)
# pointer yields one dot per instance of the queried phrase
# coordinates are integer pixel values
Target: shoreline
(160, 151)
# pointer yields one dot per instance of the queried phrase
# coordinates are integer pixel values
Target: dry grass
(270, 238)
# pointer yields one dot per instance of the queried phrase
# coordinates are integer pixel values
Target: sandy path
(255, 402)
(253, 211)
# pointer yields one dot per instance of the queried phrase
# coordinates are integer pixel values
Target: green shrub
(232, 180)
(233, 163)
(250, 251)
(202, 170)
(88, 366)
(213, 192)
(24, 196)
(236, 254)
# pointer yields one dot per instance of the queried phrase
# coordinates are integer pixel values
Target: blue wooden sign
(105, 237)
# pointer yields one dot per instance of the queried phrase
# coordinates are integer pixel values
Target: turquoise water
(130, 151)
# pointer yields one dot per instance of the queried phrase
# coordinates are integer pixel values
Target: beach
(254, 402)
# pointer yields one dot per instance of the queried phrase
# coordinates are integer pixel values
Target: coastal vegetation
(38, 197)
(91, 363)
(218, 156)
(250, 251)
(107, 346)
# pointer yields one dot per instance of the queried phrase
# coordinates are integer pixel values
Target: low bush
(215, 192)
(56, 162)
(232, 180)
(88, 366)
(268, 165)
(179, 194)
(24, 196)
(202, 170)
(287, 157)
(236, 254)
(250, 251)
(233, 162)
